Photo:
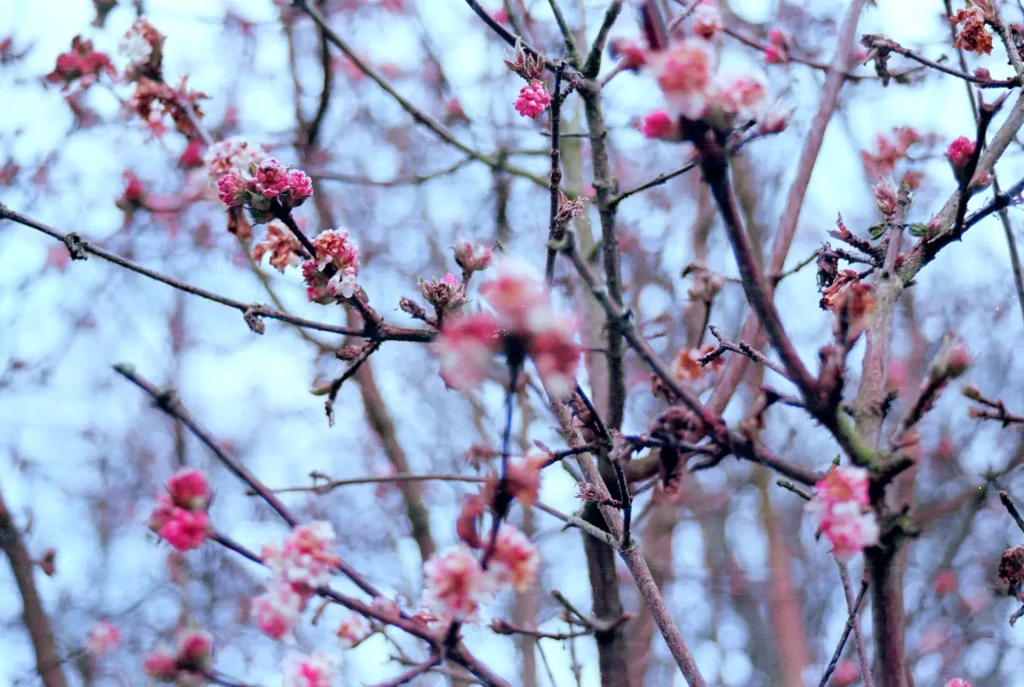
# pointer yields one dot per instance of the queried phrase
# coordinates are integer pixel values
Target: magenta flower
(533, 100)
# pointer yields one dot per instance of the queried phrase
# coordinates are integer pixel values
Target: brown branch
(851, 621)
(79, 248)
(886, 45)
(730, 378)
(37, 622)
(167, 401)
(413, 672)
(1007, 502)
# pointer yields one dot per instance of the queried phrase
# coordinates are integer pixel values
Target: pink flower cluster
(301, 565)
(181, 517)
(841, 503)
(187, 664)
(696, 89)
(81, 64)
(317, 670)
(333, 272)
(523, 323)
(533, 100)
(455, 584)
(958, 682)
(266, 189)
(235, 152)
(444, 294)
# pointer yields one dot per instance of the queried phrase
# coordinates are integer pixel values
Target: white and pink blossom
(338, 254)
(103, 637)
(454, 583)
(278, 610)
(306, 560)
(317, 670)
(232, 153)
(353, 629)
(841, 505)
(515, 559)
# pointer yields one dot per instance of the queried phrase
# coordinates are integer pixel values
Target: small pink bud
(959, 152)
(189, 489)
(885, 196)
(632, 54)
(660, 125)
(160, 665)
(774, 55)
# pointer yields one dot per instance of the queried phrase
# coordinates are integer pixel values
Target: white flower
(134, 45)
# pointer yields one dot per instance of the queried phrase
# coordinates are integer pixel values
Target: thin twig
(80, 246)
(846, 634)
(1007, 502)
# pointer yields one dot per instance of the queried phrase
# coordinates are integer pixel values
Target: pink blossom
(103, 637)
(841, 505)
(500, 15)
(232, 153)
(846, 673)
(958, 682)
(556, 358)
(82, 64)
(707, 20)
(465, 347)
(533, 100)
(773, 55)
(740, 94)
(844, 484)
(444, 294)
(517, 295)
(231, 188)
(271, 178)
(850, 529)
(959, 152)
(160, 665)
(353, 629)
(278, 610)
(632, 54)
(515, 560)
(774, 119)
(317, 670)
(185, 530)
(684, 73)
(306, 560)
(659, 124)
(189, 489)
(523, 322)
(191, 157)
(334, 249)
(300, 187)
(472, 257)
(454, 583)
